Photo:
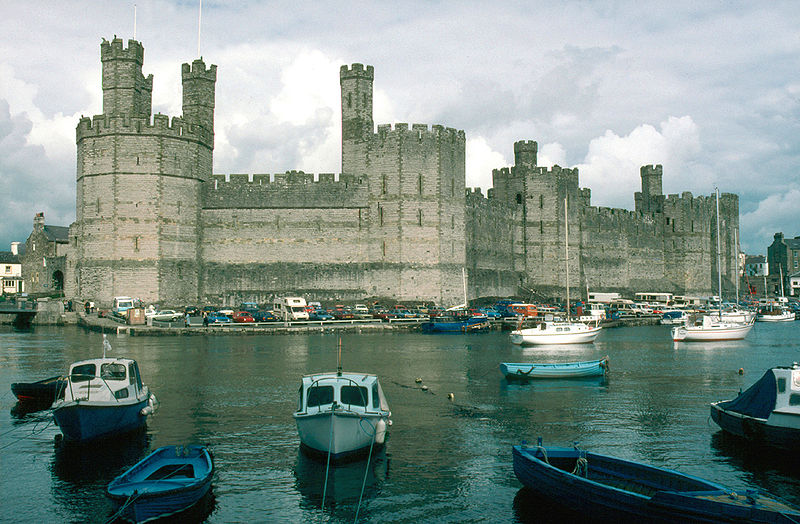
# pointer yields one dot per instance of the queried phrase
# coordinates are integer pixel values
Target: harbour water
(445, 460)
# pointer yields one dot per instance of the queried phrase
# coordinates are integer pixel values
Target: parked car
(241, 317)
(265, 316)
(361, 311)
(383, 314)
(216, 317)
(320, 314)
(342, 313)
(167, 315)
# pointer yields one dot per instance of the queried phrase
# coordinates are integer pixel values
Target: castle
(153, 221)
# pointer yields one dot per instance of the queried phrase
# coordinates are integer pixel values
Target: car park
(216, 317)
(265, 316)
(242, 317)
(167, 315)
(320, 314)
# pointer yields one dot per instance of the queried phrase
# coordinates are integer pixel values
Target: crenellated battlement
(420, 131)
(198, 70)
(292, 189)
(104, 125)
(357, 71)
(114, 50)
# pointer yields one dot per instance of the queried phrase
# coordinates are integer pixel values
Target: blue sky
(709, 91)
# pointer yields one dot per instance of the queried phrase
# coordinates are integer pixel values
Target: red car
(242, 316)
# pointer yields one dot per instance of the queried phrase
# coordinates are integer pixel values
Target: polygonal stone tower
(139, 184)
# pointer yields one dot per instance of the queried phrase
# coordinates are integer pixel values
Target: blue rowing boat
(613, 488)
(456, 325)
(168, 481)
(524, 371)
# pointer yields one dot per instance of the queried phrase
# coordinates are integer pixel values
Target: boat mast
(736, 263)
(566, 251)
(780, 272)
(339, 358)
(464, 284)
(719, 263)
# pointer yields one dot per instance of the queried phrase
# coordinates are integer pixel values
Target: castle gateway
(398, 223)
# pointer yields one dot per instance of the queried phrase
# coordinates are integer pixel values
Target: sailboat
(712, 327)
(776, 312)
(558, 331)
(735, 313)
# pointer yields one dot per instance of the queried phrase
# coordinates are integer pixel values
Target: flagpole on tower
(134, 21)
(199, 22)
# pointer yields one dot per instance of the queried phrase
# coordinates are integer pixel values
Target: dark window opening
(354, 395)
(319, 395)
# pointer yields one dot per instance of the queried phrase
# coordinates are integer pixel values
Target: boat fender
(741, 371)
(424, 388)
(451, 396)
(418, 380)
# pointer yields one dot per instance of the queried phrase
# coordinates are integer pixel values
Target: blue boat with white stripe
(532, 370)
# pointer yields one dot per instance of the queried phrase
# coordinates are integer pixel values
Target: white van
(121, 305)
(290, 308)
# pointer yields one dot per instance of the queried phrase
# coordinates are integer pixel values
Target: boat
(716, 327)
(170, 480)
(524, 371)
(674, 316)
(566, 331)
(614, 488)
(775, 314)
(341, 414)
(41, 392)
(102, 397)
(707, 329)
(556, 332)
(456, 325)
(767, 412)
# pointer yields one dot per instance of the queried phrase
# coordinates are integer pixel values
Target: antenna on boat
(339, 357)
(719, 263)
(566, 251)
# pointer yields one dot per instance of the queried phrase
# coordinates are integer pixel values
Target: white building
(11, 281)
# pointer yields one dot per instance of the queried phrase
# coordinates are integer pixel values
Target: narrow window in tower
(97, 205)
(136, 244)
(349, 100)
(383, 188)
(179, 207)
(384, 248)
(692, 226)
(541, 201)
(359, 219)
(452, 223)
(419, 183)
(519, 198)
(541, 227)
(380, 215)
(137, 160)
(365, 100)
(452, 187)
(419, 217)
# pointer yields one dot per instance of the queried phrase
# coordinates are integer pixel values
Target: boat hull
(141, 498)
(756, 429)
(84, 421)
(41, 392)
(525, 371)
(787, 317)
(528, 337)
(684, 334)
(341, 433)
(618, 489)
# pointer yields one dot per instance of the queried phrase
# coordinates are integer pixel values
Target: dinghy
(612, 488)
(524, 371)
(42, 392)
(168, 481)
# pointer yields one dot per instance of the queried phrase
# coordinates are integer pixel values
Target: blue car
(320, 314)
(217, 318)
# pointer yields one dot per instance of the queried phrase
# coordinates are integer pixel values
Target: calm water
(444, 461)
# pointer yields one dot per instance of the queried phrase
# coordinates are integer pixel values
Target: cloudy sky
(711, 92)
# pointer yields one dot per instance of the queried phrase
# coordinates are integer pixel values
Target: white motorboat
(744, 316)
(102, 397)
(708, 328)
(767, 412)
(556, 332)
(342, 414)
(775, 314)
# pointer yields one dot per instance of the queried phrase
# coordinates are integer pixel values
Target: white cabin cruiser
(775, 314)
(708, 328)
(557, 332)
(342, 413)
(102, 397)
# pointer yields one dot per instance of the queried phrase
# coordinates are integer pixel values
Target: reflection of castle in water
(152, 220)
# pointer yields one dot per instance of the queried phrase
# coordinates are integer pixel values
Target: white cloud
(776, 213)
(612, 164)
(481, 159)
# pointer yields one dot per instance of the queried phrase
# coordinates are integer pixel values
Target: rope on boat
(544, 453)
(366, 469)
(328, 463)
(581, 467)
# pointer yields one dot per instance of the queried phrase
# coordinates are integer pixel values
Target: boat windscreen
(112, 371)
(319, 395)
(758, 400)
(354, 395)
(83, 373)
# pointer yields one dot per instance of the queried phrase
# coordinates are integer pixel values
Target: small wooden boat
(614, 488)
(42, 392)
(168, 481)
(767, 412)
(524, 371)
(102, 397)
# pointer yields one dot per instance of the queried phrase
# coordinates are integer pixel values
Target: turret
(651, 199)
(356, 84)
(525, 153)
(198, 93)
(125, 90)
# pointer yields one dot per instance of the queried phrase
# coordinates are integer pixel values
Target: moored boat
(524, 371)
(168, 481)
(102, 397)
(775, 314)
(556, 332)
(768, 412)
(342, 414)
(614, 488)
(708, 329)
(456, 325)
(41, 392)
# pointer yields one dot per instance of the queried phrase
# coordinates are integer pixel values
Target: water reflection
(344, 480)
(99, 461)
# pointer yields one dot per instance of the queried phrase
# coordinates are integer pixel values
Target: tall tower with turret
(139, 180)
